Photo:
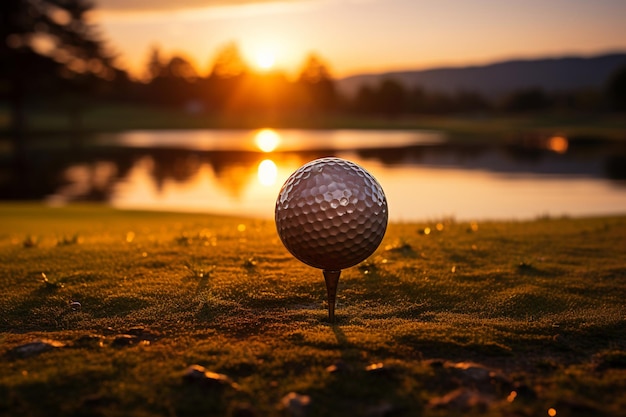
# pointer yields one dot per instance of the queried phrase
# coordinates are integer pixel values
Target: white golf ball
(331, 214)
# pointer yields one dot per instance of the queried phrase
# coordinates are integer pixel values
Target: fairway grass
(446, 318)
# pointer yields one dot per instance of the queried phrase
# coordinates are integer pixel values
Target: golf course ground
(107, 312)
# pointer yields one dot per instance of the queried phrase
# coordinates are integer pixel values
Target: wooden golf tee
(332, 280)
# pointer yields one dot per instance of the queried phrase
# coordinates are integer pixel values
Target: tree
(317, 84)
(229, 62)
(174, 84)
(388, 98)
(391, 98)
(227, 76)
(617, 89)
(155, 63)
(469, 101)
(47, 45)
(180, 68)
(528, 99)
(365, 100)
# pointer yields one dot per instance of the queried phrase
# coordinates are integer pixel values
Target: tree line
(49, 53)
(391, 98)
(233, 87)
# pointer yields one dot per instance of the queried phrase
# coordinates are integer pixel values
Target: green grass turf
(538, 303)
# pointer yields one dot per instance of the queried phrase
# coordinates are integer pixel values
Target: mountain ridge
(560, 73)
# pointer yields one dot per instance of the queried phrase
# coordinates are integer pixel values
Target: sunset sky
(357, 36)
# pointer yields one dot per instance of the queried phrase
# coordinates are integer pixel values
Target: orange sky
(356, 36)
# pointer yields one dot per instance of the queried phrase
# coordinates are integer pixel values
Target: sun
(267, 140)
(265, 59)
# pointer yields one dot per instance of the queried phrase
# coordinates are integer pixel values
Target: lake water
(424, 176)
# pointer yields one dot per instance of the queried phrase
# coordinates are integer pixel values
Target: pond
(425, 176)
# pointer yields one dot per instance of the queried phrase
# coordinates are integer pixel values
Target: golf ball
(331, 214)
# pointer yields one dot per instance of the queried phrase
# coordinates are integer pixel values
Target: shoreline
(115, 118)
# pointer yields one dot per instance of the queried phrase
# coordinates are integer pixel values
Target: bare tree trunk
(18, 120)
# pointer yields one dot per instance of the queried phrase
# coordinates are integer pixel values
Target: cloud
(124, 6)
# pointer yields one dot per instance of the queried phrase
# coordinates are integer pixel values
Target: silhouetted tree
(416, 100)
(365, 100)
(391, 98)
(468, 101)
(227, 75)
(616, 89)
(155, 63)
(439, 103)
(47, 45)
(317, 85)
(229, 63)
(530, 99)
(267, 96)
(175, 83)
(586, 100)
(180, 68)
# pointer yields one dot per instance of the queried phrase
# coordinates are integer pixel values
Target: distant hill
(553, 74)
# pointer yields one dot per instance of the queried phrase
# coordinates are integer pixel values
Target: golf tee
(332, 280)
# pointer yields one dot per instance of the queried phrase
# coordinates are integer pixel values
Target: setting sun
(267, 140)
(265, 59)
(267, 172)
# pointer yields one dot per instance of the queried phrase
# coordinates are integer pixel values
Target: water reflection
(267, 173)
(423, 179)
(267, 140)
(558, 144)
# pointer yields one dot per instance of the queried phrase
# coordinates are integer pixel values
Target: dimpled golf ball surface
(331, 214)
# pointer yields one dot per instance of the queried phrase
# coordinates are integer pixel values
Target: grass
(446, 318)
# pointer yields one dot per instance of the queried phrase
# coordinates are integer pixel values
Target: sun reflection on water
(243, 174)
(558, 144)
(267, 172)
(267, 140)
